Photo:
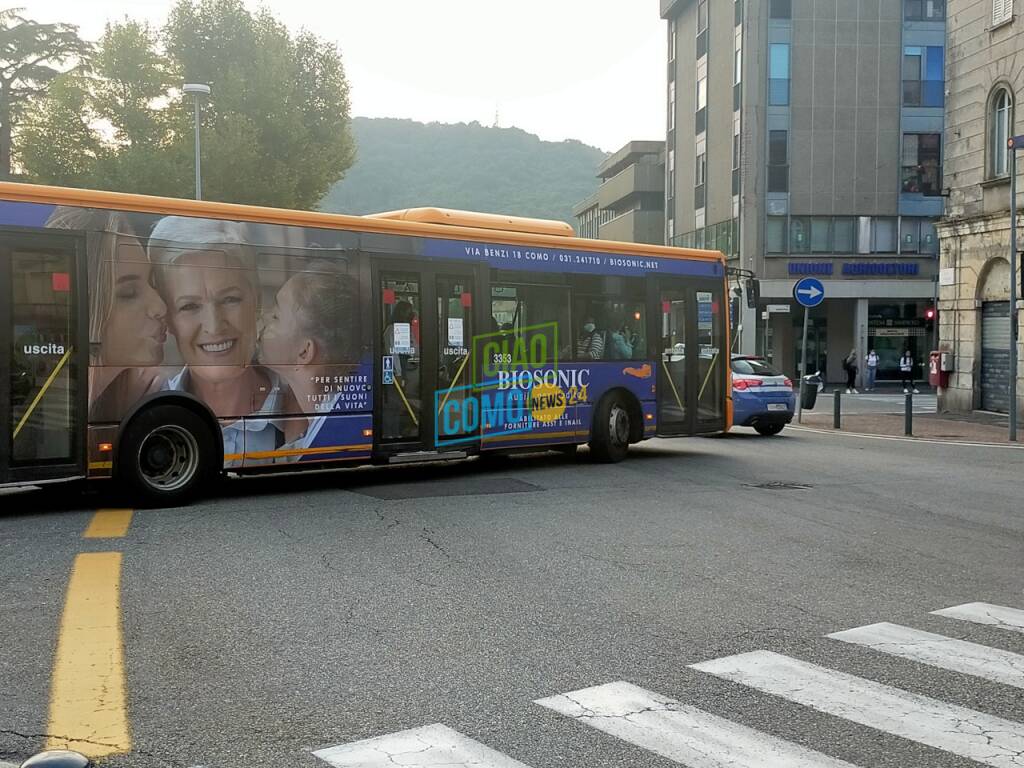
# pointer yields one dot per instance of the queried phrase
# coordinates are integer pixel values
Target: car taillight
(742, 384)
(789, 383)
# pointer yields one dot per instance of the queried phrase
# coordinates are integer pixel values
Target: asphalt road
(290, 615)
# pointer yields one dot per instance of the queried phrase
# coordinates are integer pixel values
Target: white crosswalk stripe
(985, 738)
(986, 613)
(687, 735)
(939, 651)
(695, 738)
(431, 745)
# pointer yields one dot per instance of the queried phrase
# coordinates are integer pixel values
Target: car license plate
(776, 406)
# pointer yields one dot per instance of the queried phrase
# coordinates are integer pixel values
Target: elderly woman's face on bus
(134, 330)
(212, 305)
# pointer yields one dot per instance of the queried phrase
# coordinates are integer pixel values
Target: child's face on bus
(212, 304)
(282, 341)
(135, 329)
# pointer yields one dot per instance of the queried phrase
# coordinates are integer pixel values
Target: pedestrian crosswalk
(655, 723)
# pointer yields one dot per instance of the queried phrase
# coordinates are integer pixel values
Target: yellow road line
(87, 697)
(108, 524)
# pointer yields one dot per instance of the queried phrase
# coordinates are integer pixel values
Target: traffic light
(753, 292)
(929, 314)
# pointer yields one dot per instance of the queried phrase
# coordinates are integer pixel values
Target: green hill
(406, 164)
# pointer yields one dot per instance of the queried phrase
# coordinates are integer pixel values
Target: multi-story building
(986, 80)
(804, 137)
(630, 203)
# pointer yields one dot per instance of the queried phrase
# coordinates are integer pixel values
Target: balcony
(636, 227)
(639, 178)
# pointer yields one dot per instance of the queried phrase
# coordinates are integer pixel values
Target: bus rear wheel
(610, 439)
(166, 456)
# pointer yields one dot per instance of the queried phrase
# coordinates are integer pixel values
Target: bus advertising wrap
(267, 336)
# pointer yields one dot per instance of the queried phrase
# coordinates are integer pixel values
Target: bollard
(836, 408)
(908, 419)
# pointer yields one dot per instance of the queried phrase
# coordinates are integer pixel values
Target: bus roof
(415, 222)
(472, 219)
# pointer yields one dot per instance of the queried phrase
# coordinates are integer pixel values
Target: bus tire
(610, 434)
(167, 456)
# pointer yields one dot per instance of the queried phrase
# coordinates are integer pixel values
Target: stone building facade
(985, 80)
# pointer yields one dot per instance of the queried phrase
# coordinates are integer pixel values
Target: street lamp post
(197, 90)
(1014, 143)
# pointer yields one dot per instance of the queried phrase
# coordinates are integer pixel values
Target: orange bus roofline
(470, 230)
(497, 221)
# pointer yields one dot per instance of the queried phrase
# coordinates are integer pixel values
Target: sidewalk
(978, 427)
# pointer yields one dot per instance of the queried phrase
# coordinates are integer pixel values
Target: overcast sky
(592, 70)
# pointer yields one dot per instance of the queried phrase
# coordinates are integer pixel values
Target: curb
(903, 438)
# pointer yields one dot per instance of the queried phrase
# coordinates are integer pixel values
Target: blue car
(761, 397)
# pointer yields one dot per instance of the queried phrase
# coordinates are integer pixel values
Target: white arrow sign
(811, 293)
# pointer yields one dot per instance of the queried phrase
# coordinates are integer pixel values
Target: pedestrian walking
(907, 372)
(870, 370)
(850, 366)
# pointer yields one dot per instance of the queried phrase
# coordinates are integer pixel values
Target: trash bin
(809, 396)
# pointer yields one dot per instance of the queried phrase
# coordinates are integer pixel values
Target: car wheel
(768, 429)
(166, 456)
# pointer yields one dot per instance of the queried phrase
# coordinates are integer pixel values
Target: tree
(277, 129)
(30, 54)
(275, 132)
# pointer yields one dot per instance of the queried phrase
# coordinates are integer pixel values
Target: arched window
(1001, 121)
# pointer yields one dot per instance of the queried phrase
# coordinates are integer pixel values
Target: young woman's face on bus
(135, 329)
(212, 310)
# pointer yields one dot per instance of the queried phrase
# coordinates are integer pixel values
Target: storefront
(868, 305)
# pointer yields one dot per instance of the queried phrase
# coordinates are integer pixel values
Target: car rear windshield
(752, 367)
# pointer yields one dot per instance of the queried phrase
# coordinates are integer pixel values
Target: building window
(702, 105)
(670, 231)
(799, 234)
(884, 234)
(1002, 11)
(737, 13)
(924, 10)
(671, 173)
(923, 78)
(843, 229)
(737, 75)
(780, 9)
(736, 160)
(821, 234)
(673, 40)
(778, 74)
(922, 163)
(910, 235)
(778, 161)
(702, 27)
(1001, 119)
(672, 105)
(699, 177)
(775, 239)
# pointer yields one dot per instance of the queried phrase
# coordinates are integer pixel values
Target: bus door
(43, 358)
(693, 360)
(424, 372)
(673, 380)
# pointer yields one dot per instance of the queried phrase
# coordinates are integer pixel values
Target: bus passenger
(590, 342)
(306, 335)
(127, 317)
(208, 278)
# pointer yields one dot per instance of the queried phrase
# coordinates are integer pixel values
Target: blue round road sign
(809, 292)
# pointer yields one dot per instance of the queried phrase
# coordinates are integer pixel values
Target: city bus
(163, 343)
